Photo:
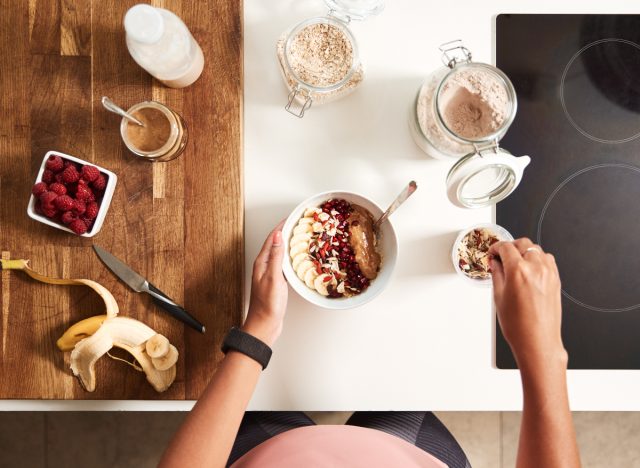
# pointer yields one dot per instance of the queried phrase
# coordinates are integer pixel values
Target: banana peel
(79, 331)
(109, 301)
(91, 338)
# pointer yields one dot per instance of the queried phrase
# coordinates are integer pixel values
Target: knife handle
(175, 310)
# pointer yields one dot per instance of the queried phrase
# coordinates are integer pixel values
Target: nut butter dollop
(363, 241)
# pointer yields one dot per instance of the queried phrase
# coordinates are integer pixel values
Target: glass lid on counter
(355, 9)
(485, 177)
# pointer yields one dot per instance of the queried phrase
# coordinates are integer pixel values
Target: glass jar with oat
(460, 114)
(319, 57)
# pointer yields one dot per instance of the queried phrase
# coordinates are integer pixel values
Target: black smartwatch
(237, 340)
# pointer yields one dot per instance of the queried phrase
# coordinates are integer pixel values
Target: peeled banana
(91, 338)
(128, 334)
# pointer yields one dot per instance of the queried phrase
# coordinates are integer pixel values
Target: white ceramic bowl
(104, 204)
(387, 246)
(500, 232)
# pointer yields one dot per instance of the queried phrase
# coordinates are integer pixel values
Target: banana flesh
(166, 361)
(301, 260)
(157, 346)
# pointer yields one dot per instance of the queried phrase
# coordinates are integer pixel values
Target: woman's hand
(269, 291)
(526, 287)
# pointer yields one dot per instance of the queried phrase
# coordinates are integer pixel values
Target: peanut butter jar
(163, 136)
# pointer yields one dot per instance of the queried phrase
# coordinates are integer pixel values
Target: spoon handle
(400, 199)
(113, 107)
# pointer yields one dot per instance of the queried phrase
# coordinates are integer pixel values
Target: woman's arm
(206, 437)
(528, 302)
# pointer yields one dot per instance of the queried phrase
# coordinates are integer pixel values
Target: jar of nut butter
(163, 136)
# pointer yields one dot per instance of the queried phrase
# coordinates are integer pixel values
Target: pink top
(336, 446)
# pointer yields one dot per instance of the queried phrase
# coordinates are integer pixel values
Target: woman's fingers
(522, 244)
(497, 274)
(507, 252)
(264, 257)
(277, 254)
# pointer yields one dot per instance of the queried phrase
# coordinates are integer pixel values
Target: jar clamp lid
(348, 10)
(485, 177)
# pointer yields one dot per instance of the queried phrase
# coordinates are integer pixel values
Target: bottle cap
(144, 23)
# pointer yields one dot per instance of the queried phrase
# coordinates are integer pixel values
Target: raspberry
(78, 226)
(79, 207)
(83, 192)
(58, 178)
(70, 164)
(39, 189)
(49, 212)
(38, 207)
(88, 222)
(70, 175)
(64, 203)
(47, 199)
(68, 217)
(54, 163)
(92, 210)
(58, 188)
(100, 183)
(47, 176)
(90, 173)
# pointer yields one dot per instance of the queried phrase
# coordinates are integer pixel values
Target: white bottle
(161, 44)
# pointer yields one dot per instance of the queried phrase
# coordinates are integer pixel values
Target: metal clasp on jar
(304, 93)
(454, 52)
(491, 146)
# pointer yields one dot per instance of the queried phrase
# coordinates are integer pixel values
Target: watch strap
(249, 345)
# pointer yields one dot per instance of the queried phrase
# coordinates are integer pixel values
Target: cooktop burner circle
(600, 93)
(590, 224)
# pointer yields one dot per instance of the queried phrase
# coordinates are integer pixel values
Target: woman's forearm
(547, 436)
(207, 435)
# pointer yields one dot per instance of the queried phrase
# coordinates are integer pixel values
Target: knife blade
(140, 284)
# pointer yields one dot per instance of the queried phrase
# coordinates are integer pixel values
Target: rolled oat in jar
(319, 57)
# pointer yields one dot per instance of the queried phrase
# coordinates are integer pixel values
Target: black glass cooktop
(578, 83)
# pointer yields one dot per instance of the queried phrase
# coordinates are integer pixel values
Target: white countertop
(427, 341)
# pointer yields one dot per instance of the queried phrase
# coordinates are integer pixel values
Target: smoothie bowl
(333, 257)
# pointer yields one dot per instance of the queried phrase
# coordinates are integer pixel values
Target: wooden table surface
(180, 224)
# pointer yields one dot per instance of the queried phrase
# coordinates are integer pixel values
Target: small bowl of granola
(470, 253)
(334, 258)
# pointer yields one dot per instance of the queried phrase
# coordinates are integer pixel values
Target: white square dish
(104, 204)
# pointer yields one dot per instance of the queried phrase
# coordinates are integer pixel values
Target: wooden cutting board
(180, 223)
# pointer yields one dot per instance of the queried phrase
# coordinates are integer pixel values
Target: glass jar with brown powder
(163, 136)
(460, 114)
(319, 57)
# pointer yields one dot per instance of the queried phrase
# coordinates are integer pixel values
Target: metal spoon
(113, 107)
(400, 199)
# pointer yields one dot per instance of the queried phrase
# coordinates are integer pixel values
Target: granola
(473, 253)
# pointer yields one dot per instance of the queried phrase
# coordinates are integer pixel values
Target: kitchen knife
(139, 284)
